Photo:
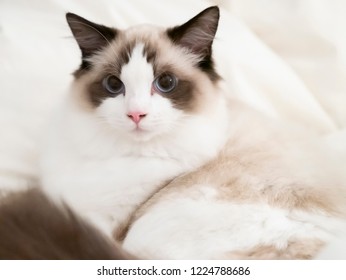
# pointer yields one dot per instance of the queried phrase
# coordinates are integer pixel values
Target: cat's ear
(198, 33)
(90, 36)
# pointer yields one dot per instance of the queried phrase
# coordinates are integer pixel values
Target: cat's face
(146, 81)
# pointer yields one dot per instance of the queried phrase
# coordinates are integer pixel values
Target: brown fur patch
(97, 93)
(295, 250)
(34, 228)
(123, 56)
(121, 231)
(238, 176)
(150, 52)
(183, 95)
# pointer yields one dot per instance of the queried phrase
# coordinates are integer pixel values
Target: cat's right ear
(198, 33)
(91, 37)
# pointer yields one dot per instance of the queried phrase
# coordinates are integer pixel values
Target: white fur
(104, 167)
(198, 225)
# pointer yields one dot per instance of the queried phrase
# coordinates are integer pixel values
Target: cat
(150, 149)
(143, 108)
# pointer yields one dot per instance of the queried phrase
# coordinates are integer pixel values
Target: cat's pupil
(113, 85)
(165, 83)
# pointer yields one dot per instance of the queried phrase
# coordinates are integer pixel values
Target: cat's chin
(141, 135)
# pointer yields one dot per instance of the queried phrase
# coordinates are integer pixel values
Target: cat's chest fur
(107, 190)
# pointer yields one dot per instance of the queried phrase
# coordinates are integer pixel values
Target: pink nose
(136, 117)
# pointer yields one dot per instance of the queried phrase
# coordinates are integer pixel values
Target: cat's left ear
(91, 37)
(198, 33)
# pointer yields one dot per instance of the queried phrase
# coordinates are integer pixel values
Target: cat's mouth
(141, 134)
(140, 130)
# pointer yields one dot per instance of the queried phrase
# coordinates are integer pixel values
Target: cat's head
(145, 81)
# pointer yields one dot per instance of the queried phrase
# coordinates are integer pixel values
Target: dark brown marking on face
(97, 93)
(83, 69)
(121, 57)
(150, 52)
(183, 95)
(34, 228)
(207, 66)
(125, 54)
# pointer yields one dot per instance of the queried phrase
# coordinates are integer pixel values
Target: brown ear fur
(91, 37)
(197, 35)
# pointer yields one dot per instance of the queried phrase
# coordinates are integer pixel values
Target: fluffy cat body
(100, 162)
(188, 173)
(253, 201)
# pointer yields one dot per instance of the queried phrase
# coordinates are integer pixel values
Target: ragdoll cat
(150, 149)
(144, 107)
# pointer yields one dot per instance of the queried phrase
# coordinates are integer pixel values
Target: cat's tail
(32, 227)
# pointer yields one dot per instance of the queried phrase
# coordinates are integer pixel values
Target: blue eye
(113, 85)
(165, 83)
